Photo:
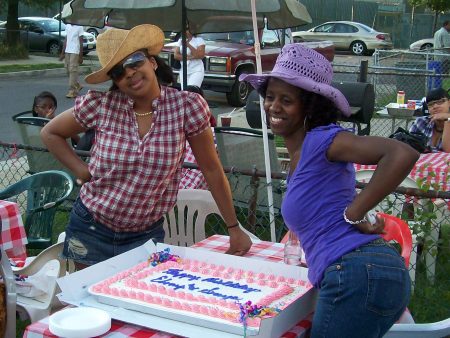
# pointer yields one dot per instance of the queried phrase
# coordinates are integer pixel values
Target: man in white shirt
(442, 45)
(72, 53)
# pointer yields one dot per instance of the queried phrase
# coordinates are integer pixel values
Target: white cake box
(75, 286)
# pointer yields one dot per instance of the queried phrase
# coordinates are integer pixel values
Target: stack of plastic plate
(80, 322)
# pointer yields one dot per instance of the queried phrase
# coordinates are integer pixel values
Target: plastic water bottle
(292, 250)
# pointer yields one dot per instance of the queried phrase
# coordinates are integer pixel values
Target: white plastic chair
(39, 307)
(10, 294)
(185, 223)
(427, 330)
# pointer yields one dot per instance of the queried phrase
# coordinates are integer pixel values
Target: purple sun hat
(304, 68)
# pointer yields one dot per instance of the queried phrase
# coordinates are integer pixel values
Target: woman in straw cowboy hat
(363, 283)
(141, 127)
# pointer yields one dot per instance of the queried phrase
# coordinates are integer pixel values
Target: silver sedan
(347, 35)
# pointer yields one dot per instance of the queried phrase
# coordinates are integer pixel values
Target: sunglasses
(436, 102)
(134, 61)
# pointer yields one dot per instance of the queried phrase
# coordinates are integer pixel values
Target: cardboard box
(74, 291)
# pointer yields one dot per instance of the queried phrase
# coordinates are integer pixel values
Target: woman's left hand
(440, 117)
(368, 228)
(240, 242)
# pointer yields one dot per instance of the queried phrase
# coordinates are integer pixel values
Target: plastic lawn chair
(43, 192)
(185, 223)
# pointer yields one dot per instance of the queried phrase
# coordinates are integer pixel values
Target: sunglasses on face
(134, 61)
(436, 102)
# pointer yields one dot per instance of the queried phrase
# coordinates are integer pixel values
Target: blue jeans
(88, 242)
(362, 294)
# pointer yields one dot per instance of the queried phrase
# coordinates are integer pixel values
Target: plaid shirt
(135, 181)
(193, 178)
(424, 125)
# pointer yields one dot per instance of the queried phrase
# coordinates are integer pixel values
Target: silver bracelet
(353, 222)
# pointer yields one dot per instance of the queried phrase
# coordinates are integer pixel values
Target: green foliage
(27, 67)
(416, 3)
(438, 5)
(13, 52)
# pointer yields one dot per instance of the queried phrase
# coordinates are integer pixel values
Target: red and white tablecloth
(219, 243)
(14, 237)
(432, 167)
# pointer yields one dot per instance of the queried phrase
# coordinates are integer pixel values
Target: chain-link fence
(426, 211)
(415, 73)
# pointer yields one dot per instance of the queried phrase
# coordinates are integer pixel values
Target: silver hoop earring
(304, 122)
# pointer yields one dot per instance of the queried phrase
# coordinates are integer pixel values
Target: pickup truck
(230, 54)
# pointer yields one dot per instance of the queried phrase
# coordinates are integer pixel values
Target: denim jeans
(88, 242)
(362, 294)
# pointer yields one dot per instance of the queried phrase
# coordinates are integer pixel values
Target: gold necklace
(143, 114)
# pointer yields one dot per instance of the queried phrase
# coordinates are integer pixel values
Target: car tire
(239, 93)
(358, 48)
(93, 31)
(53, 48)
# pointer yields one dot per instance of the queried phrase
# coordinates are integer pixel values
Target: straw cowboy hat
(116, 44)
(304, 68)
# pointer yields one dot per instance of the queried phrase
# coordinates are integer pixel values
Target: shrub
(15, 52)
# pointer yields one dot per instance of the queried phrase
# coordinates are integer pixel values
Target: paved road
(16, 95)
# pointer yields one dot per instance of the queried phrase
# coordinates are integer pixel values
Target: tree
(12, 25)
(414, 4)
(437, 6)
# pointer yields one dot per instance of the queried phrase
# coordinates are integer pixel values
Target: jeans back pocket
(388, 289)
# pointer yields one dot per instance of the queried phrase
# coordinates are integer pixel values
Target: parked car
(422, 44)
(42, 34)
(230, 54)
(347, 35)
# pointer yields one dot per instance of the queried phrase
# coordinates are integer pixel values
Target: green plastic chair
(43, 192)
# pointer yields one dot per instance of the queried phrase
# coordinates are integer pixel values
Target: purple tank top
(317, 193)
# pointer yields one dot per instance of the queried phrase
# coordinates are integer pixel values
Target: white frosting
(205, 289)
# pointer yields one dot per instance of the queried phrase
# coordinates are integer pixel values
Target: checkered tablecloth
(433, 167)
(260, 250)
(13, 237)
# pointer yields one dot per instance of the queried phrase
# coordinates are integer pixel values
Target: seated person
(44, 105)
(435, 125)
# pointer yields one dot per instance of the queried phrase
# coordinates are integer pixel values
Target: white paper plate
(80, 322)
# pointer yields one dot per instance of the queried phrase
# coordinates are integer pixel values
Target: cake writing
(174, 274)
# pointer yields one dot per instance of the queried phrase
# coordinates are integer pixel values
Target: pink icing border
(187, 301)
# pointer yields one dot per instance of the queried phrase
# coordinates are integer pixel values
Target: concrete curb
(43, 72)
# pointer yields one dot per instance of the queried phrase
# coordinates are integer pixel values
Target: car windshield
(235, 37)
(52, 25)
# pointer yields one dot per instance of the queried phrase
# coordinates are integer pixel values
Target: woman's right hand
(83, 176)
(240, 242)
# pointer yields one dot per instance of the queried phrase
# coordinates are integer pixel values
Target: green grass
(24, 67)
(430, 302)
